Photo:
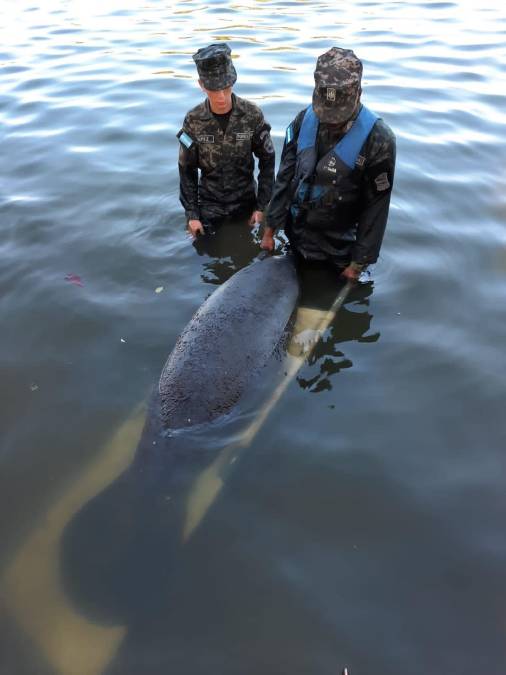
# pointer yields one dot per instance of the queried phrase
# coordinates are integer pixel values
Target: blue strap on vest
(348, 147)
(308, 130)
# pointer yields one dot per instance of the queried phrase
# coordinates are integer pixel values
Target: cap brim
(336, 112)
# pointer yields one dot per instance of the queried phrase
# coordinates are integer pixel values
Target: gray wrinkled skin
(233, 333)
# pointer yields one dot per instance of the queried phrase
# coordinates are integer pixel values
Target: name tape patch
(206, 138)
(243, 135)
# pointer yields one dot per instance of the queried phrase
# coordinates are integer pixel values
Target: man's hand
(256, 218)
(195, 227)
(352, 272)
(268, 243)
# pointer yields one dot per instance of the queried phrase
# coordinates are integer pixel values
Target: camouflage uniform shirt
(225, 161)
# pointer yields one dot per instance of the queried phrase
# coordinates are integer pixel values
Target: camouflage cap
(215, 68)
(337, 79)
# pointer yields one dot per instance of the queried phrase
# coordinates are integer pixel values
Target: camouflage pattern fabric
(337, 77)
(215, 68)
(225, 160)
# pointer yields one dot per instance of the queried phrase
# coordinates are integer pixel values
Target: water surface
(364, 525)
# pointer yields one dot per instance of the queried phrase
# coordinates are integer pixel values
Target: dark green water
(364, 525)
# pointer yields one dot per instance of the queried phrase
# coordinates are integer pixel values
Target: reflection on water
(352, 323)
(226, 249)
(363, 524)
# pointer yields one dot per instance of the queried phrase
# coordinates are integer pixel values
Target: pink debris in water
(74, 279)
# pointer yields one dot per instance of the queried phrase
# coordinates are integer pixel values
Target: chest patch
(205, 138)
(360, 161)
(243, 135)
(331, 164)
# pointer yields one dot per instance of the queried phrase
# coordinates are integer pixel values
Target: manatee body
(233, 333)
(118, 551)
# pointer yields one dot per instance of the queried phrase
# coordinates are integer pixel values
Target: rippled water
(364, 524)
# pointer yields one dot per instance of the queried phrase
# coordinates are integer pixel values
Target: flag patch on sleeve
(185, 139)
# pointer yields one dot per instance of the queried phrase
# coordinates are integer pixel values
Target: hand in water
(256, 218)
(351, 273)
(268, 243)
(195, 227)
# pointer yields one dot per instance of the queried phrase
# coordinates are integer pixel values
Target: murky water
(364, 524)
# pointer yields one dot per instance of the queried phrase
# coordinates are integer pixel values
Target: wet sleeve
(377, 189)
(264, 150)
(279, 206)
(188, 173)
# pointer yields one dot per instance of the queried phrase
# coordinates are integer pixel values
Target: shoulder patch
(185, 139)
(382, 182)
(265, 138)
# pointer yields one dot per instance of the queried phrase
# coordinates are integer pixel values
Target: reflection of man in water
(333, 187)
(317, 331)
(226, 249)
(219, 138)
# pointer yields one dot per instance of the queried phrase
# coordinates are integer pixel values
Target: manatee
(119, 552)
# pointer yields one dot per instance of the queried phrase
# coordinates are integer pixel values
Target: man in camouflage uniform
(332, 191)
(219, 138)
